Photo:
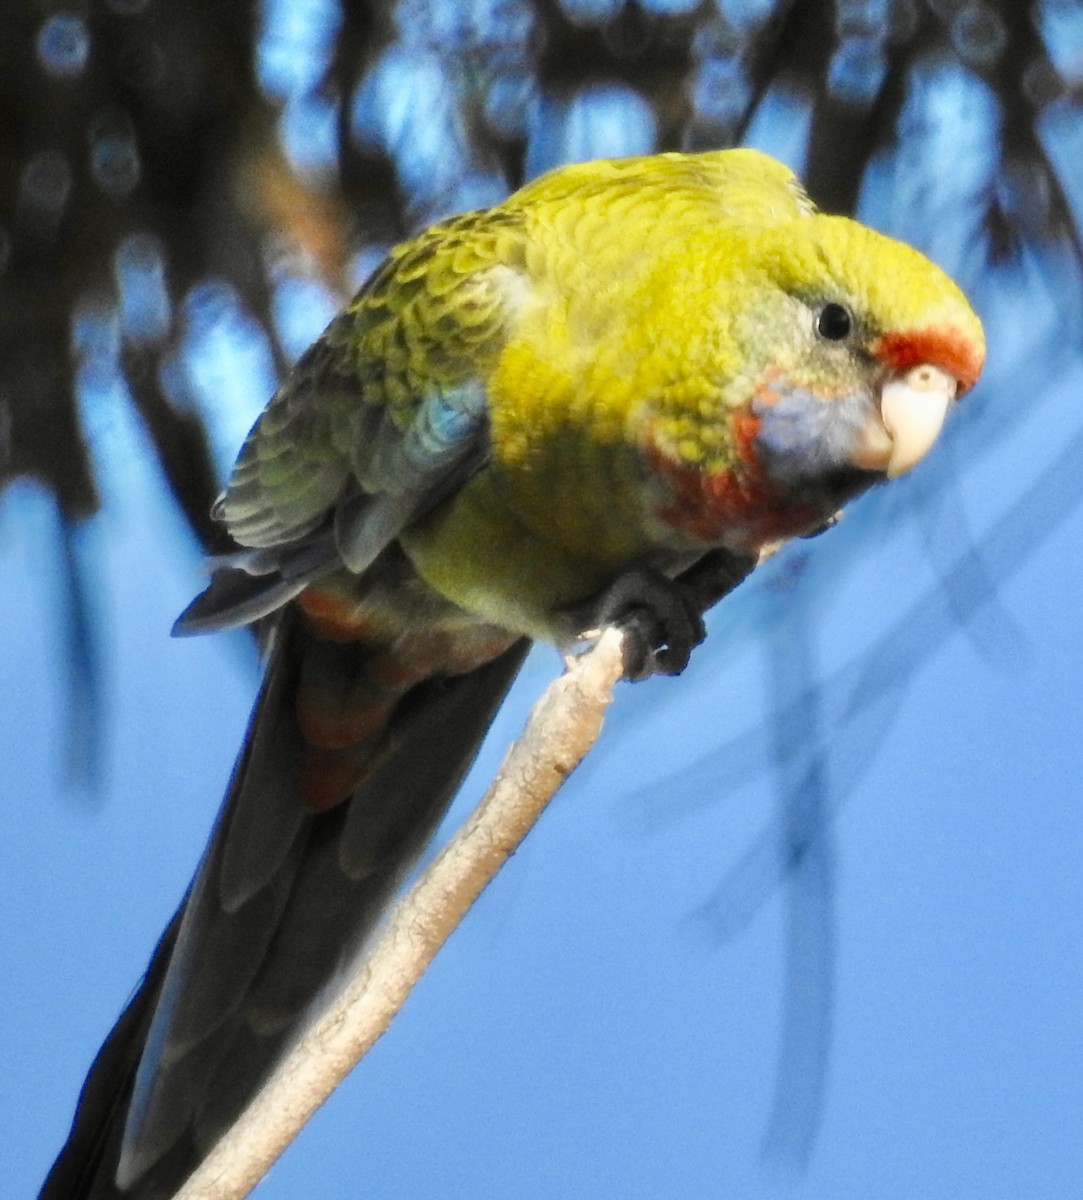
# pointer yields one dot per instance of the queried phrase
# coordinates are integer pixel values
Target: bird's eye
(834, 322)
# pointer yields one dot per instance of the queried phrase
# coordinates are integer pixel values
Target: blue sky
(608, 1020)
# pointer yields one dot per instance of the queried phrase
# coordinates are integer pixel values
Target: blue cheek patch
(803, 436)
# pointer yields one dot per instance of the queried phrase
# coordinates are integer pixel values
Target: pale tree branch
(562, 727)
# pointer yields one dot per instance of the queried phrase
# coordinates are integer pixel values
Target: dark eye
(834, 322)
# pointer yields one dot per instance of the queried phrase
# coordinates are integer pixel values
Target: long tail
(284, 898)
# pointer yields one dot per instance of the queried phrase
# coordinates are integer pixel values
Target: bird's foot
(659, 618)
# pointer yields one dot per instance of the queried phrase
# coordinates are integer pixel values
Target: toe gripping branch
(662, 618)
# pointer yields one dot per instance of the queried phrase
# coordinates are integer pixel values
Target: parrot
(601, 401)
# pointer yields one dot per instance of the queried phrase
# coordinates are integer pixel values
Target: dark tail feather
(282, 900)
(99, 1114)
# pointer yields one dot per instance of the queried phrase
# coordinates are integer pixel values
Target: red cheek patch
(738, 507)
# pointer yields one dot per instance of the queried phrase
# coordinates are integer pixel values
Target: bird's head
(873, 344)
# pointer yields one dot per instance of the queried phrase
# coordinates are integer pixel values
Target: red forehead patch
(950, 349)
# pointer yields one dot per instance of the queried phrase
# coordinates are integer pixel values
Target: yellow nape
(735, 185)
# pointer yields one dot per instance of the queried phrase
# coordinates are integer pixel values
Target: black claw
(830, 523)
(641, 635)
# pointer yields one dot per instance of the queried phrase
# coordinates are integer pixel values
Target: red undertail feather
(356, 668)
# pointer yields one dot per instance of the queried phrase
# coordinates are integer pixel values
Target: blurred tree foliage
(168, 142)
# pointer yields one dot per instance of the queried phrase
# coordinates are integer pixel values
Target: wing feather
(379, 421)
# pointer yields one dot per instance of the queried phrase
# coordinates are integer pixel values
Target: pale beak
(912, 409)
